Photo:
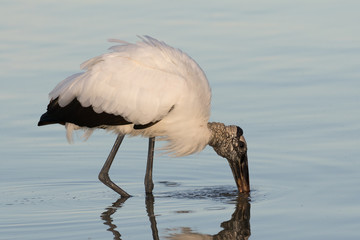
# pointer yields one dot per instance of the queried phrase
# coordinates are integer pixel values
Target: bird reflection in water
(237, 228)
(106, 216)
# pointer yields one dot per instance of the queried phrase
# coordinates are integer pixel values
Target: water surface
(286, 72)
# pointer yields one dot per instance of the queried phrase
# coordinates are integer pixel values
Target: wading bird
(150, 89)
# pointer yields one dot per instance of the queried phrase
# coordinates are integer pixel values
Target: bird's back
(146, 84)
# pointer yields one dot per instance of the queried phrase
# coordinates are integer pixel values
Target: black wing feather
(79, 115)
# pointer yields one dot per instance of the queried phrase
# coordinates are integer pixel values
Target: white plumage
(142, 82)
(150, 89)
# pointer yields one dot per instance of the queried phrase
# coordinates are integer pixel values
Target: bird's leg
(149, 185)
(104, 173)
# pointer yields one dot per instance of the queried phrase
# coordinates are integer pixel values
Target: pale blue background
(287, 72)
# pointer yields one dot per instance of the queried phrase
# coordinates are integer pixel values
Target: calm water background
(287, 72)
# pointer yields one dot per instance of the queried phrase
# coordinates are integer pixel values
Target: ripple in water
(217, 193)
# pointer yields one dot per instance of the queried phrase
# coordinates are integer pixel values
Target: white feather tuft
(69, 131)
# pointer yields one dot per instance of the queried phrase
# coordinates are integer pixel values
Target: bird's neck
(218, 130)
(219, 139)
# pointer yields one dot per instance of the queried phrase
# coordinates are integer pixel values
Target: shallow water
(286, 72)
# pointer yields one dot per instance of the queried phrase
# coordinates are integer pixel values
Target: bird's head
(229, 142)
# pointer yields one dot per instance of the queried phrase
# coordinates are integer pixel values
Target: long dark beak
(240, 170)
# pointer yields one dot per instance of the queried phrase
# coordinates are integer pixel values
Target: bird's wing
(124, 83)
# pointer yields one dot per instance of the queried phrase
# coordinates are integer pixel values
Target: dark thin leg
(104, 173)
(149, 185)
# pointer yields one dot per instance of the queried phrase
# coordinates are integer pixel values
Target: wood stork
(150, 89)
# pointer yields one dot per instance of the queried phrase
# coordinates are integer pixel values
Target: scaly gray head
(229, 143)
